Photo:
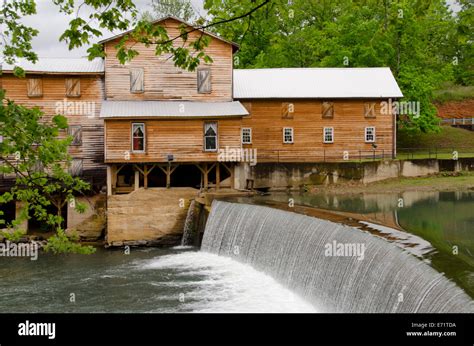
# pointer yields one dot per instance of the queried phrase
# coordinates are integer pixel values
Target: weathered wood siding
(349, 122)
(182, 138)
(162, 80)
(85, 112)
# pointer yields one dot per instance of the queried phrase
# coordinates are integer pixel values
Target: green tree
(92, 17)
(416, 39)
(31, 149)
(178, 8)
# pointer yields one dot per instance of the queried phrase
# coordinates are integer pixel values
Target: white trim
(373, 134)
(292, 135)
(324, 134)
(242, 135)
(144, 138)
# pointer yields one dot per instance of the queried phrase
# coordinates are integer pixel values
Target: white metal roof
(170, 109)
(376, 82)
(58, 65)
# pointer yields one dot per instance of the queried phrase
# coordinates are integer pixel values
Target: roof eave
(235, 46)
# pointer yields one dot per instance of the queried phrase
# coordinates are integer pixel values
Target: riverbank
(458, 181)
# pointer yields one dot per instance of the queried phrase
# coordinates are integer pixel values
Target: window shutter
(35, 87)
(204, 81)
(76, 132)
(137, 80)
(369, 110)
(287, 110)
(73, 87)
(328, 110)
(76, 167)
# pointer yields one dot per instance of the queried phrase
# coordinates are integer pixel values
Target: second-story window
(204, 81)
(247, 135)
(210, 136)
(75, 131)
(370, 134)
(138, 137)
(137, 77)
(287, 135)
(328, 135)
(34, 87)
(73, 87)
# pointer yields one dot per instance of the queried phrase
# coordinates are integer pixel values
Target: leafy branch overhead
(94, 18)
(33, 151)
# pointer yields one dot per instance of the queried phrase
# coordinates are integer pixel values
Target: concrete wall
(292, 175)
(153, 216)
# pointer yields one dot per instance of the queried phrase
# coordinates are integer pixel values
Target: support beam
(109, 181)
(145, 177)
(218, 175)
(137, 180)
(206, 177)
(168, 176)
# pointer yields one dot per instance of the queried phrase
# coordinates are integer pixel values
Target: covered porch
(127, 177)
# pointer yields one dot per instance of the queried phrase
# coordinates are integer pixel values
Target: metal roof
(170, 109)
(376, 82)
(59, 66)
(234, 45)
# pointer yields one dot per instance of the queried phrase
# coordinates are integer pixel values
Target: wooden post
(168, 176)
(145, 177)
(206, 177)
(232, 183)
(137, 180)
(218, 175)
(109, 180)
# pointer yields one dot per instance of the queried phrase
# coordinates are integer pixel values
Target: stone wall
(153, 216)
(293, 175)
(89, 225)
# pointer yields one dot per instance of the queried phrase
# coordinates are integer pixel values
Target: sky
(51, 24)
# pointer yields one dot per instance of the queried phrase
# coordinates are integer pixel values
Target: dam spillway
(310, 257)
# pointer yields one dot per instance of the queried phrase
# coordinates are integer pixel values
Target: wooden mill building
(150, 124)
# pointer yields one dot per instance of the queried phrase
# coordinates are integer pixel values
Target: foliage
(60, 243)
(14, 236)
(32, 150)
(90, 18)
(178, 8)
(419, 40)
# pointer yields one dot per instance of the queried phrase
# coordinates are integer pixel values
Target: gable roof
(235, 46)
(171, 109)
(58, 66)
(370, 82)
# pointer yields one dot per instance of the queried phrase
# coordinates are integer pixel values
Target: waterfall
(189, 227)
(335, 267)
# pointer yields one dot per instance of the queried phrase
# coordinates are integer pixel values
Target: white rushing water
(222, 284)
(375, 276)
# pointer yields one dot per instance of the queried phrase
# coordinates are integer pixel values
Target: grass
(447, 138)
(452, 92)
